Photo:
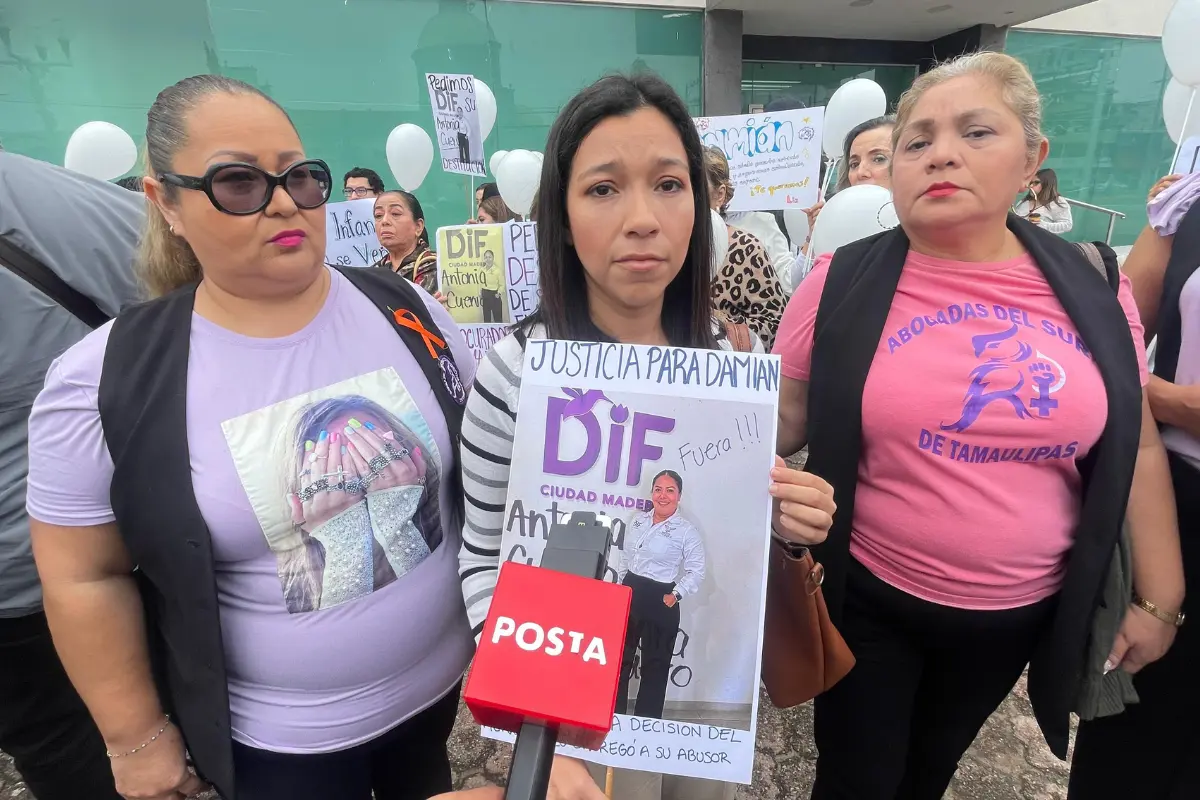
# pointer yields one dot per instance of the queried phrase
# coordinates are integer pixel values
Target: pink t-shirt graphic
(980, 399)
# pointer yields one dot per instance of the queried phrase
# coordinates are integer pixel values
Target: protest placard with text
(676, 447)
(488, 275)
(456, 123)
(774, 157)
(350, 239)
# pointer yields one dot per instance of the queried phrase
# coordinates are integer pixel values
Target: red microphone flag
(550, 653)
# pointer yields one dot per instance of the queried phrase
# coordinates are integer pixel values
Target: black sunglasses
(244, 189)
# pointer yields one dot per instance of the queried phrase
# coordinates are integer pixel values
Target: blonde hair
(716, 168)
(166, 261)
(1012, 76)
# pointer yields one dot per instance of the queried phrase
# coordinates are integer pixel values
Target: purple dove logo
(1001, 378)
(567, 417)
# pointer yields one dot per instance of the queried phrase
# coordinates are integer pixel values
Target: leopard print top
(746, 289)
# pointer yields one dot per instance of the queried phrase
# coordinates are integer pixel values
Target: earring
(172, 227)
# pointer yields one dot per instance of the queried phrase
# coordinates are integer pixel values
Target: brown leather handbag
(803, 653)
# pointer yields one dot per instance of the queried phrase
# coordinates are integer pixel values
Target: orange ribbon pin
(407, 319)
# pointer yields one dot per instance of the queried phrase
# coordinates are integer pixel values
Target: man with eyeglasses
(361, 183)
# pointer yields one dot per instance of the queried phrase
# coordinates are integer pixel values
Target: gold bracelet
(145, 744)
(1174, 620)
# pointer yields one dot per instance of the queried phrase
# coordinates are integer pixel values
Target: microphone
(549, 657)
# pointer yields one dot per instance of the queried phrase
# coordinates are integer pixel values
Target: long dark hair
(1049, 191)
(414, 208)
(687, 316)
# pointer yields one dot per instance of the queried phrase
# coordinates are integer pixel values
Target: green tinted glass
(1103, 116)
(347, 72)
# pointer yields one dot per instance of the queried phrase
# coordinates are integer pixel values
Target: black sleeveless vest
(143, 407)
(850, 320)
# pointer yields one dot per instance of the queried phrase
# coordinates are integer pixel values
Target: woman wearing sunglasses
(240, 490)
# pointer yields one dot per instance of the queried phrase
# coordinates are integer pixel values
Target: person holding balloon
(984, 458)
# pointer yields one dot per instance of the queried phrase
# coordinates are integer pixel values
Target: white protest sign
(350, 239)
(489, 277)
(774, 157)
(676, 446)
(456, 121)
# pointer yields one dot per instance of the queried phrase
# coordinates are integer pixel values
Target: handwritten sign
(774, 157)
(521, 268)
(675, 444)
(489, 277)
(456, 121)
(350, 239)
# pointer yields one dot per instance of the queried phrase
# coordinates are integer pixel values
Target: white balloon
(101, 150)
(1175, 111)
(496, 158)
(485, 102)
(720, 241)
(517, 178)
(853, 103)
(1180, 33)
(409, 155)
(540, 157)
(796, 222)
(853, 214)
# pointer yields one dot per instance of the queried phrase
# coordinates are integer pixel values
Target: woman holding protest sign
(984, 456)
(624, 238)
(400, 226)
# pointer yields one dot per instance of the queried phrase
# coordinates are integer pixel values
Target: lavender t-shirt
(1187, 372)
(339, 599)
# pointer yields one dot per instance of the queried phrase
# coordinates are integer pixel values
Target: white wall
(1115, 17)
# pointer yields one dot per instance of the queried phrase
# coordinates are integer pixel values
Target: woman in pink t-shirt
(981, 452)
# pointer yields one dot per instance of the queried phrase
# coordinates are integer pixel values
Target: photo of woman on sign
(662, 563)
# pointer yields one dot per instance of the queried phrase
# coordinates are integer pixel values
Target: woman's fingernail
(349, 431)
(336, 436)
(390, 436)
(355, 423)
(368, 426)
(324, 435)
(1109, 666)
(309, 445)
(343, 449)
(773, 488)
(312, 457)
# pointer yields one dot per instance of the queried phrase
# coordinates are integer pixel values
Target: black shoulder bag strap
(42, 278)
(401, 303)
(1104, 259)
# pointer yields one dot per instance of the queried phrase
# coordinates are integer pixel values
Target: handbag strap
(39, 276)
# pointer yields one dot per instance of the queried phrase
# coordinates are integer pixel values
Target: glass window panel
(348, 71)
(1103, 115)
(814, 84)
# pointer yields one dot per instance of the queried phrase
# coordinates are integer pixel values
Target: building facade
(348, 71)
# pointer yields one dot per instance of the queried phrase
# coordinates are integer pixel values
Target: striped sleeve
(486, 456)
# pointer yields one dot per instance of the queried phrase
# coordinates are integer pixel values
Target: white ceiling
(909, 20)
